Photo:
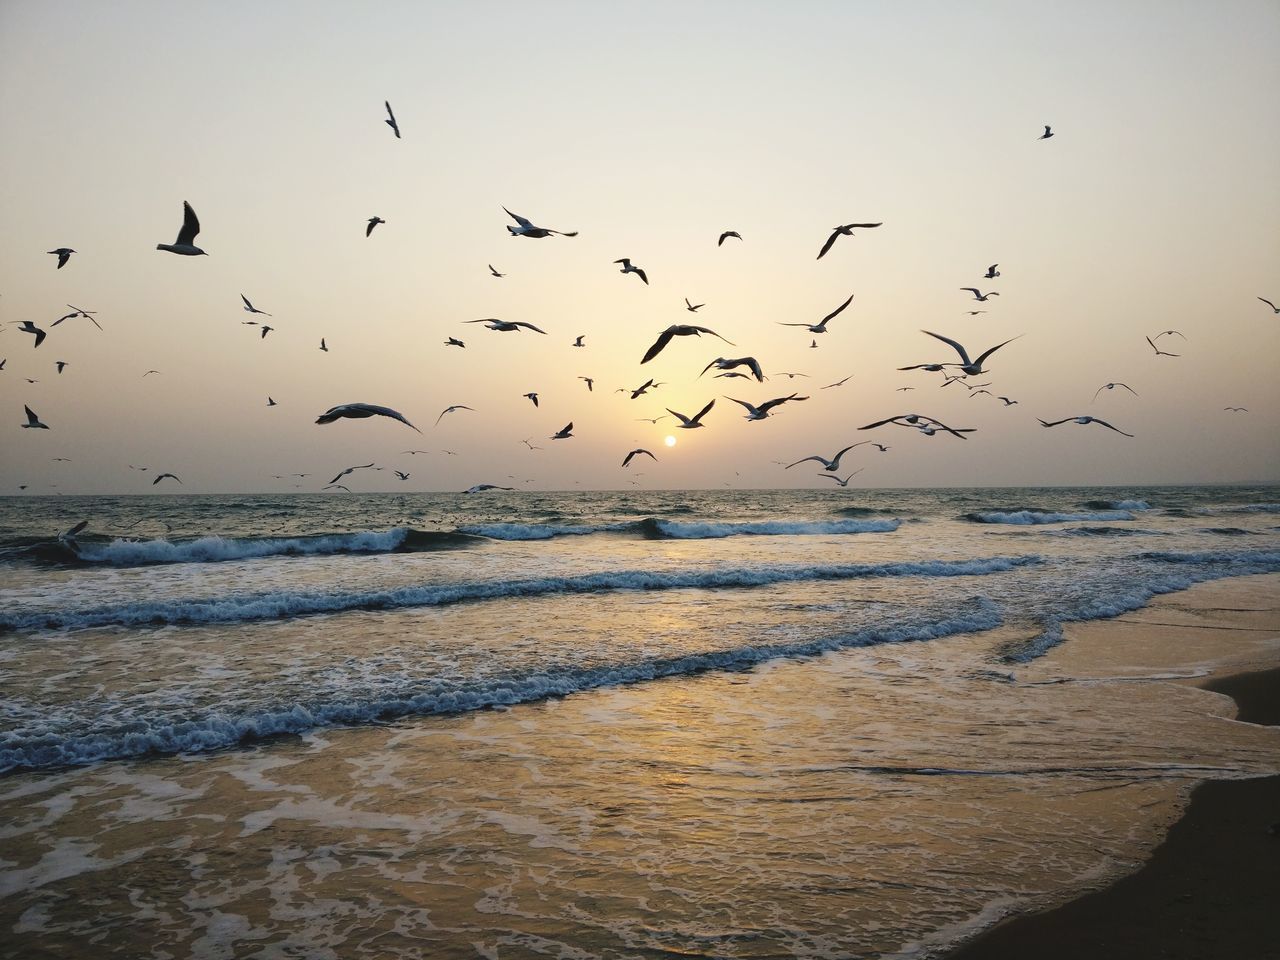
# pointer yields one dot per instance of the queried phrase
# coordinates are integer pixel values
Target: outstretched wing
(521, 323)
(994, 349)
(827, 246)
(1110, 427)
(837, 310)
(714, 334)
(518, 219)
(959, 349)
(658, 346)
(190, 226)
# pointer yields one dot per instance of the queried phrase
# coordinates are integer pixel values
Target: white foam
(777, 528)
(1035, 517)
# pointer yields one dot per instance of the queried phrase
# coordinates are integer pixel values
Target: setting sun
(670, 441)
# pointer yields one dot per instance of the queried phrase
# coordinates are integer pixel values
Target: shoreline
(1207, 890)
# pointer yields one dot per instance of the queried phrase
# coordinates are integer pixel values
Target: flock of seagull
(958, 369)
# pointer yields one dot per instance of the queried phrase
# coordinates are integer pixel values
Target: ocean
(736, 723)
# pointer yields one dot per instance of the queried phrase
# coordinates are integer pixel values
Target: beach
(775, 725)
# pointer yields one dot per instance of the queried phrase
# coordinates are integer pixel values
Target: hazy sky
(650, 130)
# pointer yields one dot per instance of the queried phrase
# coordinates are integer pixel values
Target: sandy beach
(1209, 889)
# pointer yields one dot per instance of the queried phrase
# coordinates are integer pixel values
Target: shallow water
(883, 773)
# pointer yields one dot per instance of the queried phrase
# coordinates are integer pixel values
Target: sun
(670, 441)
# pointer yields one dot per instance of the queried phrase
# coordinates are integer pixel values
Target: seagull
(834, 463)
(821, 325)
(265, 330)
(691, 423)
(971, 367)
(69, 536)
(589, 382)
(185, 244)
(992, 272)
(79, 312)
(456, 406)
(161, 476)
(481, 487)
(726, 235)
(391, 120)
(362, 466)
(149, 372)
(494, 272)
(650, 419)
(813, 345)
(762, 411)
(338, 486)
(373, 222)
(1237, 409)
(28, 327)
(979, 295)
(838, 383)
(844, 231)
(637, 450)
(678, 330)
(1084, 420)
(691, 307)
(1112, 386)
(1165, 333)
(455, 342)
(1007, 402)
(734, 373)
(577, 341)
(527, 229)
(845, 481)
(628, 268)
(271, 403)
(529, 443)
(33, 422)
(720, 363)
(792, 376)
(1047, 133)
(63, 254)
(640, 390)
(926, 425)
(29, 380)
(359, 411)
(505, 326)
(402, 475)
(412, 453)
(322, 345)
(564, 433)
(1273, 307)
(251, 308)
(974, 313)
(1159, 352)
(532, 396)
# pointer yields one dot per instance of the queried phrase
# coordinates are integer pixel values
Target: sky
(1155, 206)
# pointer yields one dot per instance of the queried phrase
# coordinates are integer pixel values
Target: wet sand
(1208, 891)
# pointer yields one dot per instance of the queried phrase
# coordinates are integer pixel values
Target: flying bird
(678, 330)
(821, 325)
(926, 425)
(1274, 308)
(79, 312)
(838, 383)
(1102, 423)
(373, 222)
(1165, 333)
(577, 341)
(992, 272)
(162, 476)
(691, 307)
(359, 411)
(494, 272)
(391, 120)
(762, 411)
(721, 363)
(250, 308)
(63, 254)
(691, 423)
(845, 481)
(844, 231)
(979, 295)
(531, 396)
(456, 406)
(265, 330)
(322, 345)
(362, 466)
(505, 326)
(271, 403)
(1159, 352)
(1237, 409)
(970, 367)
(481, 487)
(530, 444)
(1006, 401)
(564, 433)
(627, 267)
(401, 474)
(149, 372)
(1047, 133)
(637, 450)
(640, 390)
(834, 463)
(33, 422)
(338, 486)
(28, 327)
(726, 235)
(590, 382)
(1112, 386)
(454, 342)
(650, 419)
(527, 229)
(185, 244)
